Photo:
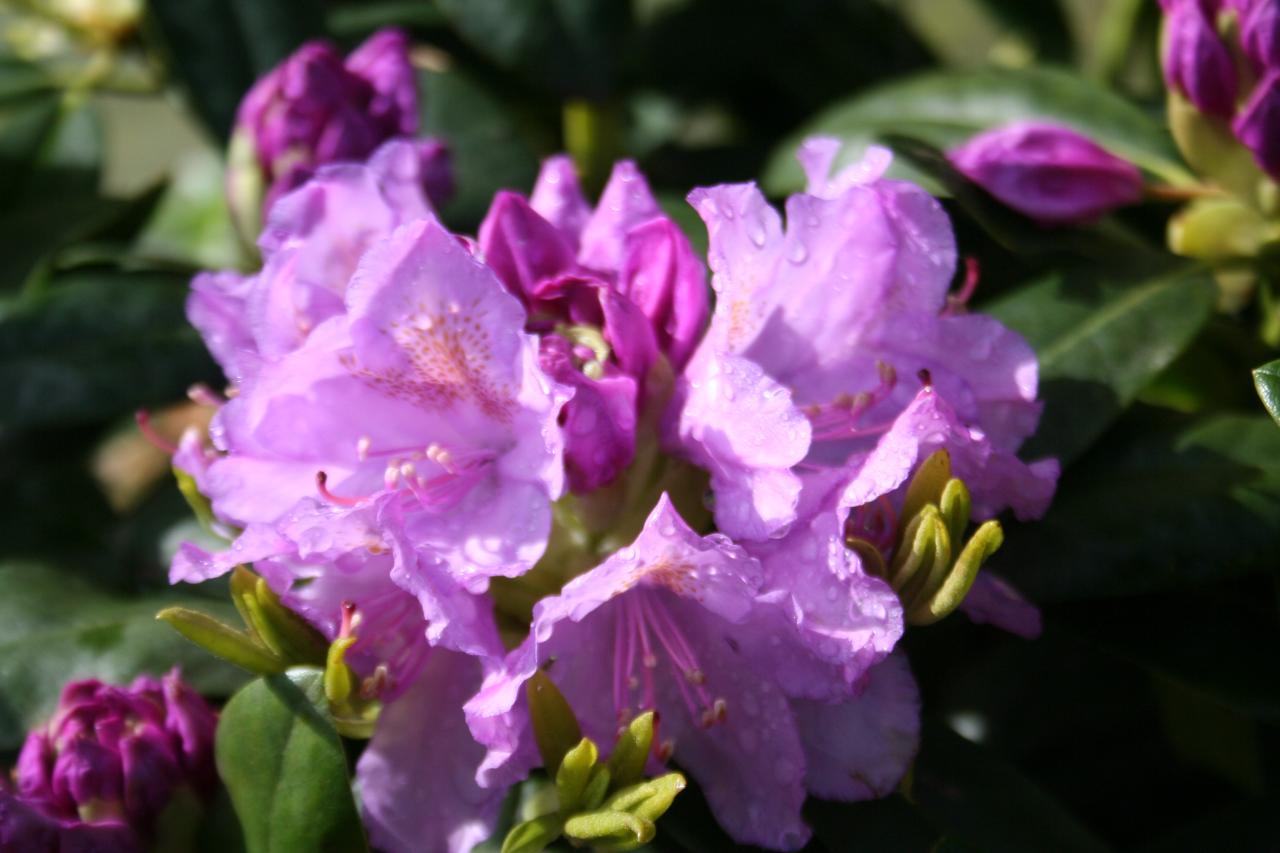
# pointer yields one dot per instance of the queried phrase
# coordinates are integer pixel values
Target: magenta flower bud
(314, 108)
(1258, 124)
(1050, 173)
(383, 60)
(1260, 33)
(112, 755)
(25, 828)
(1196, 61)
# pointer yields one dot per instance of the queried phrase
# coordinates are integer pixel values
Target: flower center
(840, 419)
(435, 475)
(644, 630)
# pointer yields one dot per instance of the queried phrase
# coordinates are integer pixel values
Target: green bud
(301, 643)
(650, 799)
(926, 485)
(574, 774)
(935, 562)
(199, 504)
(277, 627)
(245, 187)
(608, 830)
(339, 680)
(985, 541)
(917, 549)
(955, 505)
(597, 787)
(872, 560)
(534, 835)
(631, 751)
(555, 728)
(1212, 149)
(220, 639)
(1218, 229)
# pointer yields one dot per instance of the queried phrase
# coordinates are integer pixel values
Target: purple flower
(822, 336)
(423, 398)
(27, 827)
(314, 109)
(684, 625)
(625, 275)
(117, 755)
(1260, 33)
(1196, 61)
(417, 776)
(313, 240)
(1258, 124)
(1048, 172)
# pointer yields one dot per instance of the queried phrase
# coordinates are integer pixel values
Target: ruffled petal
(417, 776)
(861, 748)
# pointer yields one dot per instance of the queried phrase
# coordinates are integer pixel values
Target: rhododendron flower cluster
(544, 449)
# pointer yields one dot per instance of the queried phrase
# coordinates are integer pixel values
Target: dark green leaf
(97, 344)
(944, 108)
(49, 174)
(1267, 381)
(570, 46)
(1165, 503)
(1229, 656)
(285, 767)
(55, 627)
(489, 146)
(1101, 335)
(979, 799)
(219, 47)
(889, 825)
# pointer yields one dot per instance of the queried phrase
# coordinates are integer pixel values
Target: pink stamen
(322, 486)
(143, 417)
(348, 619)
(956, 302)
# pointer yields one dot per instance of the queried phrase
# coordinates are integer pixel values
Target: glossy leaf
(944, 108)
(97, 344)
(285, 767)
(219, 47)
(1267, 380)
(978, 799)
(569, 46)
(1167, 503)
(1101, 336)
(490, 146)
(55, 627)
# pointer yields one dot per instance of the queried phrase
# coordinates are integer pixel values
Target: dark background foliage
(1146, 715)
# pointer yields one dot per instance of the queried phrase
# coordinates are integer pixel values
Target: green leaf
(1267, 380)
(490, 145)
(979, 799)
(219, 638)
(944, 108)
(1167, 502)
(97, 344)
(534, 835)
(285, 768)
(219, 47)
(55, 627)
(1101, 336)
(888, 825)
(568, 46)
(50, 152)
(555, 727)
